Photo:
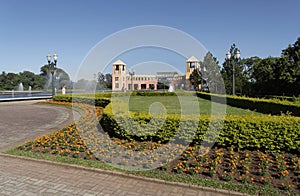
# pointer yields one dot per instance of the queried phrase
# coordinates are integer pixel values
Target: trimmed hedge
(266, 106)
(265, 133)
(97, 101)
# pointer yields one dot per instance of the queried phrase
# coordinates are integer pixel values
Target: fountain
(21, 88)
(171, 89)
(29, 90)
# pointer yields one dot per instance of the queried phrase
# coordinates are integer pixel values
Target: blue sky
(31, 29)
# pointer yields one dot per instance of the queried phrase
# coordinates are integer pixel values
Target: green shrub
(97, 101)
(265, 133)
(266, 106)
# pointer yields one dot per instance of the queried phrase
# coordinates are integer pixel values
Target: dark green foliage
(266, 106)
(104, 81)
(211, 74)
(268, 76)
(11, 81)
(265, 133)
(63, 77)
(227, 72)
(102, 102)
(151, 93)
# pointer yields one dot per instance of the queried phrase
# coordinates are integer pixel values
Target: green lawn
(187, 105)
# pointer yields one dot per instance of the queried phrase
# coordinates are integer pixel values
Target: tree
(227, 72)
(290, 59)
(101, 81)
(10, 81)
(248, 72)
(162, 85)
(28, 79)
(61, 77)
(45, 70)
(196, 79)
(211, 73)
(279, 75)
(265, 76)
(108, 80)
(87, 85)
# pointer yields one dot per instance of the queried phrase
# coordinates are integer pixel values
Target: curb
(147, 179)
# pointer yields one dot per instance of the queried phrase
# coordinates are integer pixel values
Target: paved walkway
(24, 120)
(24, 176)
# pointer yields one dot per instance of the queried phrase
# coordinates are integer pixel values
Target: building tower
(191, 64)
(118, 76)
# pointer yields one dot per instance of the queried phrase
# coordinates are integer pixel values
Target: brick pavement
(41, 178)
(21, 121)
(25, 176)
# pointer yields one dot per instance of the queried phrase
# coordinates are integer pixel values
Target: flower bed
(277, 170)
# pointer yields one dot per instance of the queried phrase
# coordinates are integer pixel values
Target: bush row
(265, 133)
(266, 106)
(97, 101)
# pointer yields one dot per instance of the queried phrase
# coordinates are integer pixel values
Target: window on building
(143, 86)
(117, 85)
(117, 67)
(151, 86)
(116, 78)
(192, 64)
(123, 67)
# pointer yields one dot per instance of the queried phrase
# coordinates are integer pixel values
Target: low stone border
(208, 189)
(24, 98)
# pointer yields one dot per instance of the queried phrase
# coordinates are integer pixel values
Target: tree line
(42, 81)
(254, 76)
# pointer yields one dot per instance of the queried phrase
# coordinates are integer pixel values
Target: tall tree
(101, 81)
(266, 77)
(104, 80)
(61, 77)
(248, 72)
(227, 72)
(108, 80)
(290, 59)
(211, 73)
(196, 79)
(279, 75)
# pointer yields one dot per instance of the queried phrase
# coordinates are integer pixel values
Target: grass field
(185, 105)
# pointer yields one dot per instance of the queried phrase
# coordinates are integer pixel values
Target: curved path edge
(207, 190)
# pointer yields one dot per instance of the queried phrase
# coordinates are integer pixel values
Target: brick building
(122, 81)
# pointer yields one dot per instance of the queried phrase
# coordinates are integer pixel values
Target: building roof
(192, 59)
(119, 62)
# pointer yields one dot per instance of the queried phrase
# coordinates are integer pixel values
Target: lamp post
(52, 67)
(236, 58)
(131, 73)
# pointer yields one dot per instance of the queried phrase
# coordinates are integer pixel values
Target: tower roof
(119, 62)
(192, 59)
